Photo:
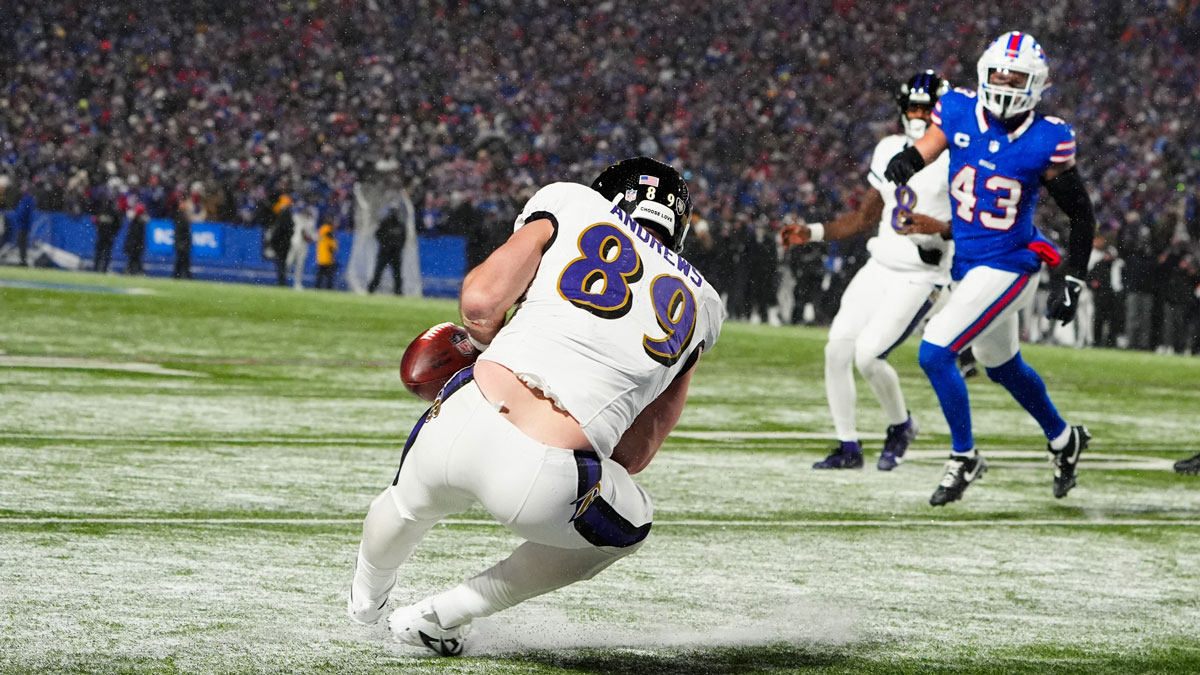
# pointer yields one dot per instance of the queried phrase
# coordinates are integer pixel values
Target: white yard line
(81, 363)
(768, 435)
(789, 524)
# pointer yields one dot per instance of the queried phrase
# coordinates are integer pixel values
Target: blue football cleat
(896, 444)
(848, 455)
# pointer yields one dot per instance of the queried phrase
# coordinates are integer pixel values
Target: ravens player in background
(568, 399)
(1001, 152)
(896, 288)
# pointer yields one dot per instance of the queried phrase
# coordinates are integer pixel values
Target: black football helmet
(653, 193)
(924, 88)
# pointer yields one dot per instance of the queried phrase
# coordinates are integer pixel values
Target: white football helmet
(1013, 52)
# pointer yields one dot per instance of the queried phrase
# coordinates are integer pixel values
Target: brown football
(433, 357)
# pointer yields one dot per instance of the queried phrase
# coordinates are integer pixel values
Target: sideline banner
(224, 252)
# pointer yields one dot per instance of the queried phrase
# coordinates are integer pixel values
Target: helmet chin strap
(915, 128)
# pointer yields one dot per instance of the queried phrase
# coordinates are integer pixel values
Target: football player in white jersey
(571, 396)
(890, 295)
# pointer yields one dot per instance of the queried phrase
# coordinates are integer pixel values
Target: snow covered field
(185, 469)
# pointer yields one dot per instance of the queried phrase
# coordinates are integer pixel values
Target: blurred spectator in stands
(107, 219)
(699, 250)
(808, 271)
(280, 238)
(304, 232)
(1103, 281)
(135, 240)
(762, 269)
(740, 251)
(391, 234)
(327, 247)
(181, 219)
(263, 216)
(22, 221)
(1180, 275)
(466, 220)
(1139, 279)
(122, 87)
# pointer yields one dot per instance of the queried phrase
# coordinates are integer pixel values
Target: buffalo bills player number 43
(1001, 152)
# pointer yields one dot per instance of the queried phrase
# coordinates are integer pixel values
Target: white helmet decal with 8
(1016, 53)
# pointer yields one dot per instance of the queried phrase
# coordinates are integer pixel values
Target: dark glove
(903, 165)
(1064, 299)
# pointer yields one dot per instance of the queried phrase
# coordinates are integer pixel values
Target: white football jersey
(611, 317)
(928, 193)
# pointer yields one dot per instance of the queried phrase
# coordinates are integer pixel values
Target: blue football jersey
(995, 178)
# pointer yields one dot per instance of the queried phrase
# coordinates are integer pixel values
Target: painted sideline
(793, 524)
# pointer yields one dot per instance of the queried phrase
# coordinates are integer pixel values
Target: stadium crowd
(771, 107)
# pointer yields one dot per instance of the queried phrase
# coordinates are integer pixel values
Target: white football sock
(389, 538)
(531, 570)
(1060, 441)
(840, 389)
(884, 382)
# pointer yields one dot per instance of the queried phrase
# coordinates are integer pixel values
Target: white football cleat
(418, 625)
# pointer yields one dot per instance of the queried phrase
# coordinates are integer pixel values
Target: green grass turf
(158, 522)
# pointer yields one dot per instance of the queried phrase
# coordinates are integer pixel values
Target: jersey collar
(984, 127)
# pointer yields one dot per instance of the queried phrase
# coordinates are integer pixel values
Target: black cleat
(1065, 460)
(1190, 465)
(960, 472)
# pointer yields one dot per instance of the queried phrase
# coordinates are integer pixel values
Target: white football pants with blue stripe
(879, 309)
(982, 313)
(579, 513)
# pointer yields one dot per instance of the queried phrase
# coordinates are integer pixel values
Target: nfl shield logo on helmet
(631, 195)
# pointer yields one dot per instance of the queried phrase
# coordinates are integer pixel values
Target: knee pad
(933, 358)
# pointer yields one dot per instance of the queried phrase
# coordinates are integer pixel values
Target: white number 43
(962, 188)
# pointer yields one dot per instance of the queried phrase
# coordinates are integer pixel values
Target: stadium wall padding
(232, 253)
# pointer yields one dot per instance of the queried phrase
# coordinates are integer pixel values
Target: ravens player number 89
(569, 398)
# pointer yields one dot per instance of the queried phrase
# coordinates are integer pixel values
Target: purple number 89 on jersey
(599, 281)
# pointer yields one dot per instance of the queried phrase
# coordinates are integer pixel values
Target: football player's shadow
(689, 661)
